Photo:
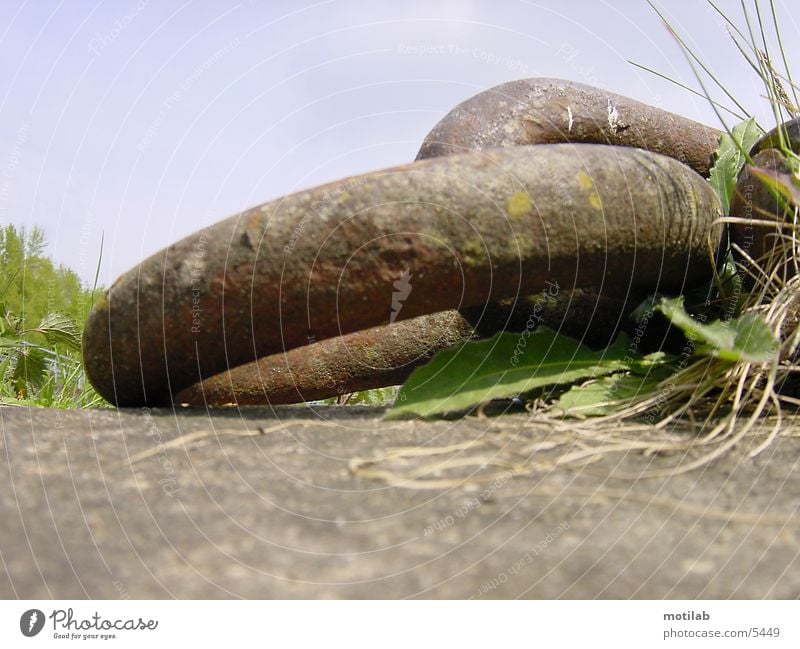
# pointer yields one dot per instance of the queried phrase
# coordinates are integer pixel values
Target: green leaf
(60, 329)
(503, 366)
(755, 342)
(609, 394)
(730, 159)
(29, 368)
(746, 338)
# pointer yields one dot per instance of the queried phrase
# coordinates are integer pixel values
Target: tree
(42, 309)
(31, 287)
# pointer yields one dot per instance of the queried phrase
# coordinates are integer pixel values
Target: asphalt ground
(295, 502)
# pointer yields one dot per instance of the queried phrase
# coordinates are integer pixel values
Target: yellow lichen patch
(584, 180)
(586, 184)
(518, 204)
(474, 249)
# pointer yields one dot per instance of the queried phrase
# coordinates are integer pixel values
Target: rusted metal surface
(592, 116)
(468, 228)
(593, 319)
(384, 356)
(376, 357)
(787, 134)
(546, 111)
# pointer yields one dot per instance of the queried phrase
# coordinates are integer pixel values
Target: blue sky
(144, 121)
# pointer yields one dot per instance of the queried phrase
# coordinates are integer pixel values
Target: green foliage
(747, 338)
(29, 368)
(40, 339)
(30, 357)
(31, 286)
(59, 329)
(730, 159)
(509, 365)
(609, 394)
(373, 397)
(503, 366)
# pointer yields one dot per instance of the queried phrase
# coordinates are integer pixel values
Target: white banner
(401, 624)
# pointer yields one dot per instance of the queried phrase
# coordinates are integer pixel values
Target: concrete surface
(100, 504)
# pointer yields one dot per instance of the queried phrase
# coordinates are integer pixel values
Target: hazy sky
(148, 120)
